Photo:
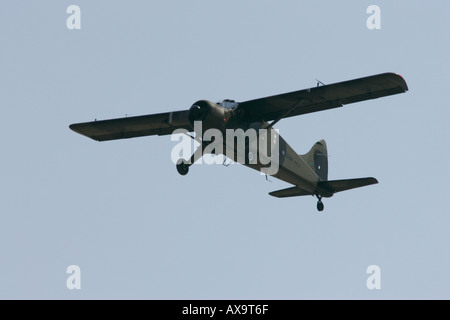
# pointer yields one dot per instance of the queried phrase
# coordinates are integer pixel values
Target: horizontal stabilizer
(346, 184)
(290, 192)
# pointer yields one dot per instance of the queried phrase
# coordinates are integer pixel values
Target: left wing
(130, 127)
(323, 97)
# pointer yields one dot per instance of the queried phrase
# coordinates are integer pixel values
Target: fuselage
(259, 146)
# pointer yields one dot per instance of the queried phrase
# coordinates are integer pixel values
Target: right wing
(323, 97)
(130, 127)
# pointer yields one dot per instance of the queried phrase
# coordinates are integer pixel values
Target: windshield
(228, 104)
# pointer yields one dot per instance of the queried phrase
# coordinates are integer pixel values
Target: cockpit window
(228, 104)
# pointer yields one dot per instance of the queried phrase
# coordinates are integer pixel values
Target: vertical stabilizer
(317, 158)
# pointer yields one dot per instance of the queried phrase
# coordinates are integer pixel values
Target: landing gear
(182, 167)
(319, 203)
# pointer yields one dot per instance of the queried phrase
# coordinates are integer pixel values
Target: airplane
(308, 173)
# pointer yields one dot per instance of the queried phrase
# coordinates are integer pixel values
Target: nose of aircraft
(195, 113)
(199, 111)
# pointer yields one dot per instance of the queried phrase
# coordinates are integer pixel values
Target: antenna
(225, 160)
(319, 82)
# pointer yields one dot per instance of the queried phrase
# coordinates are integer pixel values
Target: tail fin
(317, 158)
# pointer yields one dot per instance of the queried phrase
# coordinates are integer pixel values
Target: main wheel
(320, 206)
(182, 167)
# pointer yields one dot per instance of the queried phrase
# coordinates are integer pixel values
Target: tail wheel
(320, 205)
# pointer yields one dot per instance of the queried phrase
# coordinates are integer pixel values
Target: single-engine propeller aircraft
(308, 173)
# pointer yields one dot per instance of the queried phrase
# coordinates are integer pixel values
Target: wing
(323, 97)
(130, 127)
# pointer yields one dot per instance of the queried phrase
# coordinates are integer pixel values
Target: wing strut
(274, 122)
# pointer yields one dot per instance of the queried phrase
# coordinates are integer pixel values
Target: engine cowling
(210, 114)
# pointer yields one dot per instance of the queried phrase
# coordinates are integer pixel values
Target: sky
(136, 229)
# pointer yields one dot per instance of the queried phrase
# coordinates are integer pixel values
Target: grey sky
(137, 229)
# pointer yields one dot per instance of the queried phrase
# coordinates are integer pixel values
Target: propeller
(199, 111)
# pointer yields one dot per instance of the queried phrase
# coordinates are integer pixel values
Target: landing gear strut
(319, 203)
(183, 165)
